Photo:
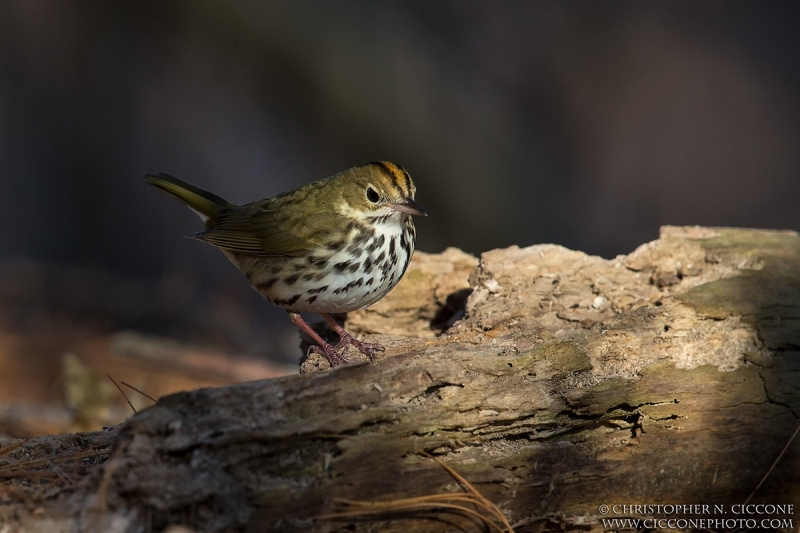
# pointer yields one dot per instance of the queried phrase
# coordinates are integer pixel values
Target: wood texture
(668, 376)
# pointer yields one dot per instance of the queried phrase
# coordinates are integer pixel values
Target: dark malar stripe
(378, 219)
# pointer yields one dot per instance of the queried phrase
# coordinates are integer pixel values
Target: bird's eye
(372, 195)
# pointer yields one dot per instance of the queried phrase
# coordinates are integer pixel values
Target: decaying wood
(668, 376)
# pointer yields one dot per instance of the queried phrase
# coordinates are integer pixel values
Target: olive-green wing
(265, 228)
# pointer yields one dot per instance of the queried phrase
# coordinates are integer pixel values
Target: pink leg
(346, 340)
(324, 349)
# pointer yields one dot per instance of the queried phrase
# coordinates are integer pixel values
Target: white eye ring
(372, 195)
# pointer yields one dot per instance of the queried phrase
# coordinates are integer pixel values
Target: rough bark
(668, 376)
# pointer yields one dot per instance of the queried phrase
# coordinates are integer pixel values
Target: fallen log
(572, 390)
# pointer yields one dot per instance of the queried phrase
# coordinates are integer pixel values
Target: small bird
(332, 246)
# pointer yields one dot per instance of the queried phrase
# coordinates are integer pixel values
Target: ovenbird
(332, 246)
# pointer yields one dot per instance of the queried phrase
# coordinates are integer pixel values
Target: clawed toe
(331, 354)
(367, 348)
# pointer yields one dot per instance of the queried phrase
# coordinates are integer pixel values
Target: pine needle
(774, 464)
(140, 392)
(123, 394)
(432, 503)
(11, 447)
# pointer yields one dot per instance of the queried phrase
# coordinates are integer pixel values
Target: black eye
(372, 195)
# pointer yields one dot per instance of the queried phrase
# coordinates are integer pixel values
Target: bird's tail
(208, 206)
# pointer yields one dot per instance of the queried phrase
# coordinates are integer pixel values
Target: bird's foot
(367, 348)
(331, 353)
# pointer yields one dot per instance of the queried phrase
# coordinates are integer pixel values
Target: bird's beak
(408, 205)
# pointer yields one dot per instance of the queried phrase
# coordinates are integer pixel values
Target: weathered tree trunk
(669, 376)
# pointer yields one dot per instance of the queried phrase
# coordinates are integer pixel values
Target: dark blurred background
(587, 124)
